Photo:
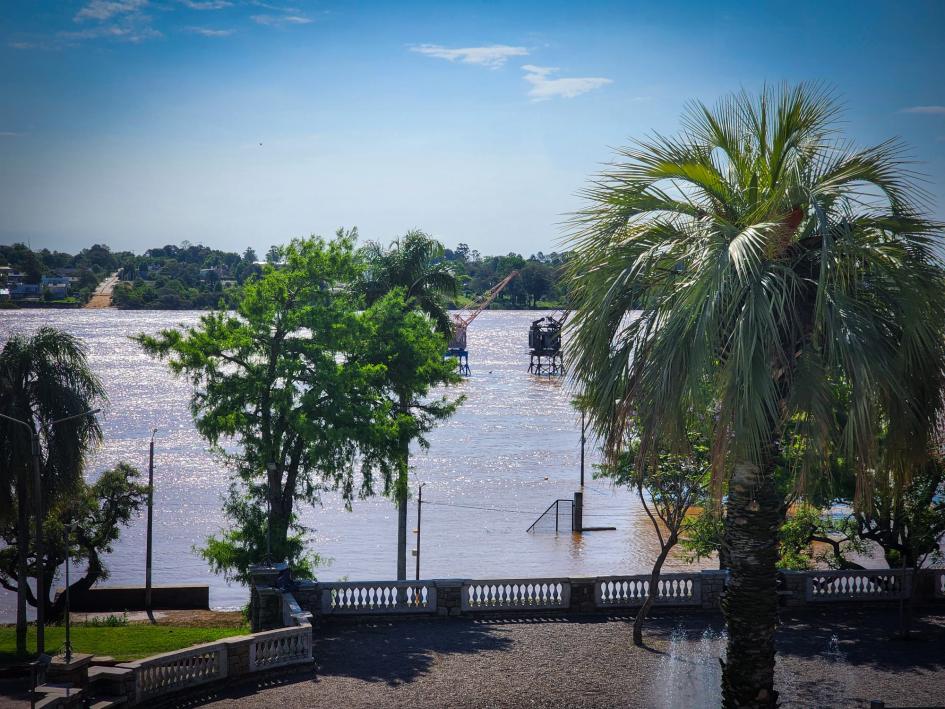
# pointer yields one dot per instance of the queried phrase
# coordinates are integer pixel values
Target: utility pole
(271, 468)
(147, 568)
(583, 432)
(419, 510)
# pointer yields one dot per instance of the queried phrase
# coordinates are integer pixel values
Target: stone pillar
(582, 595)
(449, 596)
(712, 584)
(265, 602)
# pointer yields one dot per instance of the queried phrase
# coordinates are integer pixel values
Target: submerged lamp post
(38, 509)
(419, 510)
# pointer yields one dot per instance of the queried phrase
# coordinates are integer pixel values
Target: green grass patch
(126, 642)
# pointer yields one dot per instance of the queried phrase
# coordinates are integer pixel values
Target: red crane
(463, 319)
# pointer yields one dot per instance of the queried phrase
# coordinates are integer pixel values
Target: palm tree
(414, 264)
(788, 274)
(44, 377)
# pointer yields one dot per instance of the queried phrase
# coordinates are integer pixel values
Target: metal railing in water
(563, 520)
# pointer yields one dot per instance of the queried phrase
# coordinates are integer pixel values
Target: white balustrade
(378, 597)
(630, 591)
(867, 585)
(516, 594)
(182, 669)
(278, 648)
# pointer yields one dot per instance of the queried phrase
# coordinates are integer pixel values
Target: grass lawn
(126, 642)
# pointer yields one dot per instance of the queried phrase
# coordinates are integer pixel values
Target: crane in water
(544, 342)
(462, 319)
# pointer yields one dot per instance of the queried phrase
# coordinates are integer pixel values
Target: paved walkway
(582, 663)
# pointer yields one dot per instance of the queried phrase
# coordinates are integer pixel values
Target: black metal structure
(544, 342)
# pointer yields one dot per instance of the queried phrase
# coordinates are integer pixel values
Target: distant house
(56, 286)
(26, 291)
(5, 272)
(4, 294)
(9, 276)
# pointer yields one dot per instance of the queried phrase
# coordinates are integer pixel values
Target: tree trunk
(22, 543)
(750, 601)
(653, 590)
(402, 539)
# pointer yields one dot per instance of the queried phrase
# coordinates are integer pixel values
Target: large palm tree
(44, 378)
(788, 274)
(414, 264)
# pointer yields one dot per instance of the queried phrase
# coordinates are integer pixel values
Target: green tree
(774, 264)
(284, 378)
(415, 264)
(98, 512)
(537, 280)
(669, 483)
(402, 341)
(44, 378)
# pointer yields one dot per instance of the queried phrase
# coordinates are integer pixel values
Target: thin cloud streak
(281, 20)
(928, 110)
(106, 9)
(209, 31)
(492, 56)
(206, 4)
(545, 88)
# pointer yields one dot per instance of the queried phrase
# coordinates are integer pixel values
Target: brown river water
(511, 450)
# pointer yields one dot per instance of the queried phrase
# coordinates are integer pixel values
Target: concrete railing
(857, 585)
(600, 594)
(516, 594)
(378, 597)
(630, 591)
(181, 669)
(279, 648)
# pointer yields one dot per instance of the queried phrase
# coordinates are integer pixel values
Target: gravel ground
(830, 658)
(591, 663)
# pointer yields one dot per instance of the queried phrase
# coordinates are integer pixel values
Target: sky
(236, 123)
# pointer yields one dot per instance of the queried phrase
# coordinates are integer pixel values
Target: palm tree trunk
(22, 543)
(750, 600)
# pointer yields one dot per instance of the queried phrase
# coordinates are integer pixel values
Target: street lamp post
(271, 468)
(38, 510)
(69, 529)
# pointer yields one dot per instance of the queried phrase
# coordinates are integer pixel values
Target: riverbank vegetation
(195, 277)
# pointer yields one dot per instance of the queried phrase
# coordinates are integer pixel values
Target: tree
(403, 342)
(44, 378)
(285, 378)
(775, 265)
(274, 255)
(536, 280)
(98, 511)
(675, 482)
(412, 266)
(413, 263)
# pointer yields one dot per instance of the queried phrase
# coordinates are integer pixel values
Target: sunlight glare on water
(513, 447)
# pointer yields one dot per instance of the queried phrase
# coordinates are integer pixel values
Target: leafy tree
(249, 256)
(98, 512)
(414, 264)
(776, 265)
(675, 481)
(274, 255)
(536, 280)
(413, 268)
(402, 341)
(44, 378)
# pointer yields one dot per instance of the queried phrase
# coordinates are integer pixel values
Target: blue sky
(236, 123)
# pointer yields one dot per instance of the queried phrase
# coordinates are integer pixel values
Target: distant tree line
(88, 266)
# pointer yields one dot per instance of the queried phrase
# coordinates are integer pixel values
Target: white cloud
(492, 56)
(209, 32)
(544, 88)
(106, 9)
(10, 134)
(281, 20)
(931, 110)
(206, 4)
